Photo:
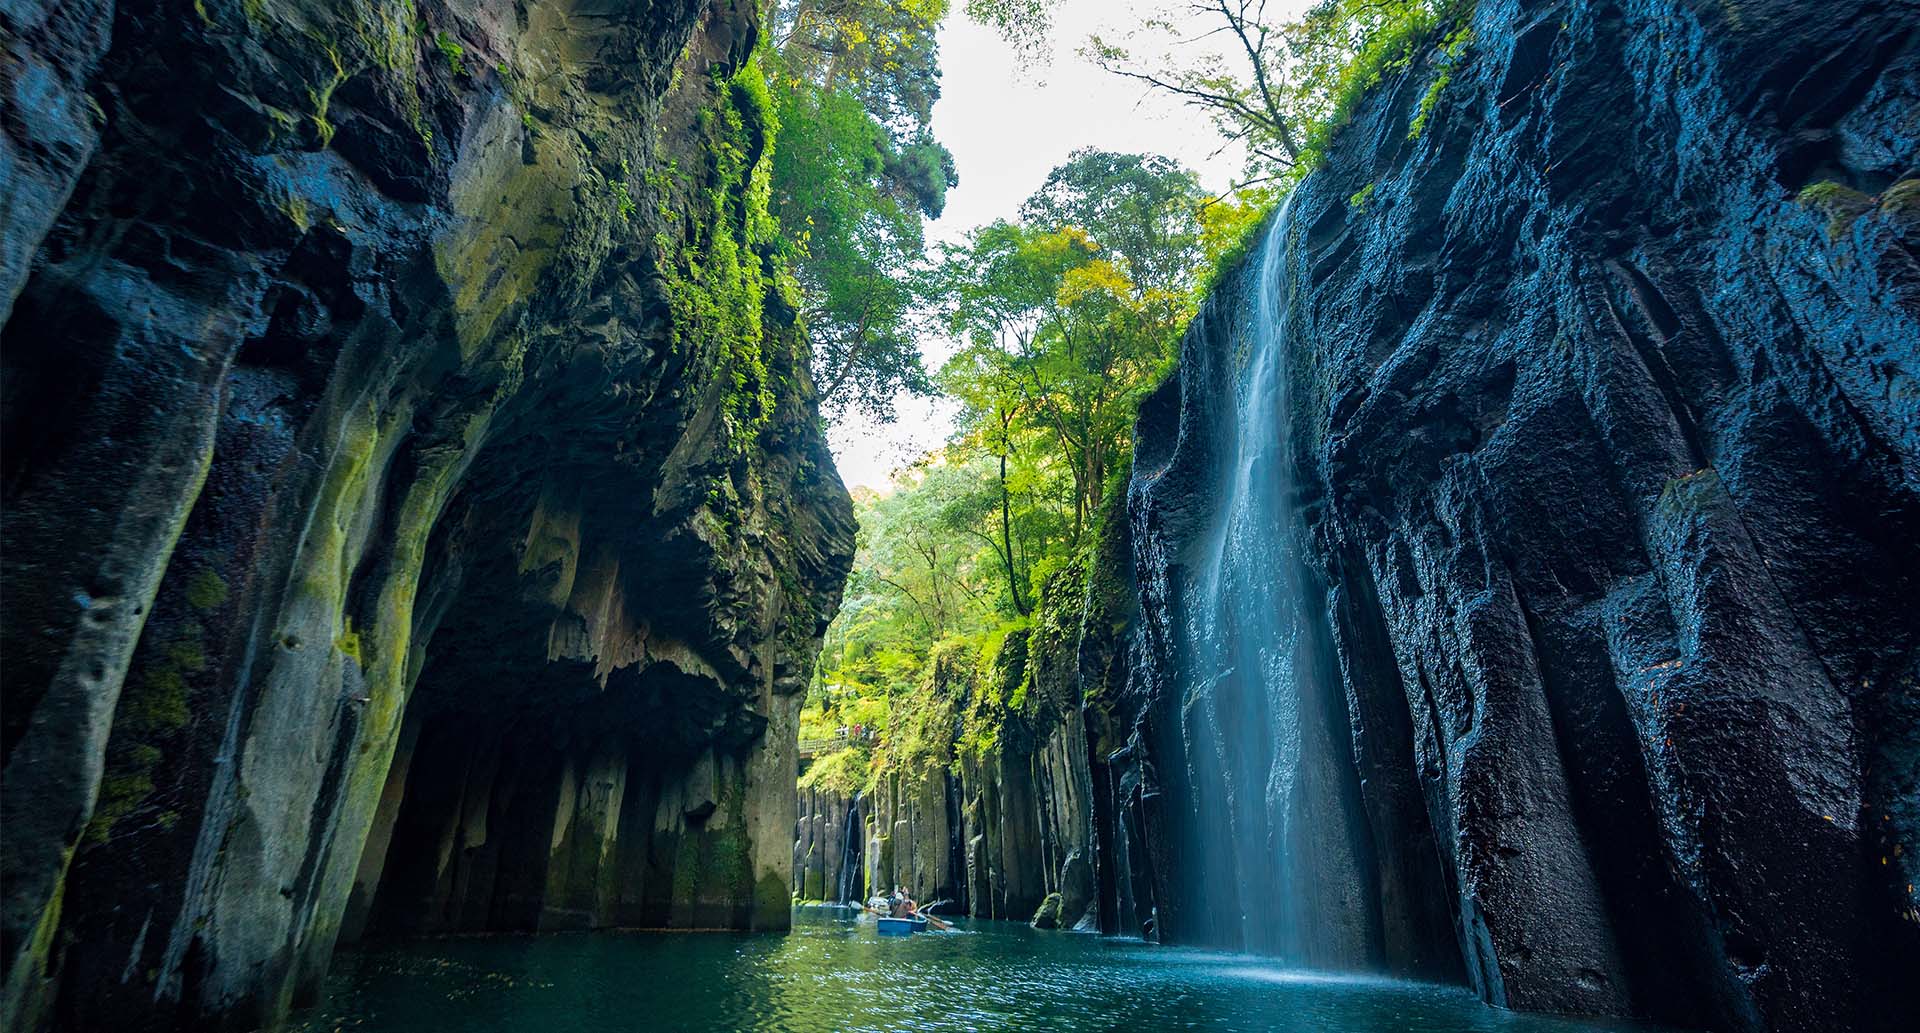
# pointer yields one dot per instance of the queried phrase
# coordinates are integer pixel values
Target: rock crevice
(1605, 434)
(416, 516)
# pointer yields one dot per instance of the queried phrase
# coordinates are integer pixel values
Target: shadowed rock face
(415, 516)
(1606, 426)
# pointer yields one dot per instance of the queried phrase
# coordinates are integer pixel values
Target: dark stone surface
(1606, 413)
(400, 533)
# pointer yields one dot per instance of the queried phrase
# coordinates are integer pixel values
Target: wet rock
(1048, 914)
(409, 526)
(1605, 431)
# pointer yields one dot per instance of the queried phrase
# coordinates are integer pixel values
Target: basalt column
(415, 512)
(1599, 329)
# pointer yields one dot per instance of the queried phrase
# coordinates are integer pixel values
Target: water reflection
(833, 973)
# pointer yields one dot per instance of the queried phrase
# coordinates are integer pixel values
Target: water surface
(834, 973)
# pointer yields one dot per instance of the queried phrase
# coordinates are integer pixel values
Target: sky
(1007, 128)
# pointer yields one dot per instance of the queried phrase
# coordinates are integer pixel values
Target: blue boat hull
(902, 926)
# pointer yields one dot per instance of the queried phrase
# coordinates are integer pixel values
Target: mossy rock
(1842, 205)
(1048, 915)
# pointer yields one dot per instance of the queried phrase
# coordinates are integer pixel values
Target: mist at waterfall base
(1276, 850)
(832, 973)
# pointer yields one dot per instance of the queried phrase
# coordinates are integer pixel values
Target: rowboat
(901, 926)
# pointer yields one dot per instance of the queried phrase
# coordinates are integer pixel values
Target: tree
(855, 174)
(1284, 86)
(1069, 314)
(1066, 316)
(1025, 24)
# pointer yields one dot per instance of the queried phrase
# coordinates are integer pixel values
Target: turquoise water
(833, 973)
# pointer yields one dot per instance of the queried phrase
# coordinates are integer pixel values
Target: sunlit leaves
(855, 174)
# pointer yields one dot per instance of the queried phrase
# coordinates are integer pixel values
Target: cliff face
(415, 512)
(1602, 356)
(1002, 809)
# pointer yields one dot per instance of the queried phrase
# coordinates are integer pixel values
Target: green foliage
(1355, 44)
(1285, 88)
(1231, 229)
(451, 50)
(623, 204)
(857, 173)
(1067, 317)
(1450, 53)
(1842, 205)
(843, 771)
(1358, 202)
(1024, 24)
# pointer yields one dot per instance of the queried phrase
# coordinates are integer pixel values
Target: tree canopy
(1065, 313)
(1065, 316)
(856, 173)
(1284, 86)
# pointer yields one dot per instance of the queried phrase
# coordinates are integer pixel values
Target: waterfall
(850, 852)
(1262, 713)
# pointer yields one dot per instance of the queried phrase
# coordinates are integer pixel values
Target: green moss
(451, 50)
(1049, 914)
(1451, 51)
(350, 645)
(152, 710)
(206, 590)
(158, 705)
(122, 792)
(717, 287)
(770, 901)
(1688, 493)
(1902, 198)
(40, 946)
(1842, 205)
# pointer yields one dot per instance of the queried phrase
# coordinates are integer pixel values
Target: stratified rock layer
(1603, 355)
(415, 514)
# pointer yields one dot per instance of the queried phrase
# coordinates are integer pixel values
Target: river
(832, 973)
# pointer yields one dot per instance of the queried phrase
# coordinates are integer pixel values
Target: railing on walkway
(810, 748)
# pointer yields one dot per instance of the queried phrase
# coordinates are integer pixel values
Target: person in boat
(902, 903)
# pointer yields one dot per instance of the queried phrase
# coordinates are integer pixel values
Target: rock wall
(829, 847)
(1603, 341)
(1003, 809)
(415, 515)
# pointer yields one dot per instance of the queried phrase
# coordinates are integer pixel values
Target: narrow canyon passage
(955, 514)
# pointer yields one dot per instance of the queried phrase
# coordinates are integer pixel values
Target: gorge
(418, 520)
(396, 440)
(1603, 515)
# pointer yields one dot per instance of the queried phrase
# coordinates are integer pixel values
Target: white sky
(1007, 129)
